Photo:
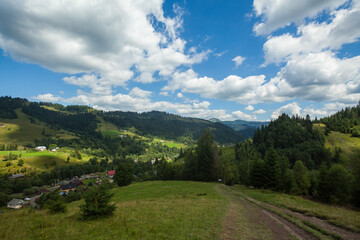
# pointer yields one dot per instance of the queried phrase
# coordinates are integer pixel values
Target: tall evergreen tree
(271, 158)
(206, 152)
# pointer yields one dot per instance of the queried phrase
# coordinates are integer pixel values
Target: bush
(4, 199)
(56, 206)
(73, 196)
(20, 162)
(97, 203)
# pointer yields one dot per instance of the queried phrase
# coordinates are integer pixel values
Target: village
(76, 184)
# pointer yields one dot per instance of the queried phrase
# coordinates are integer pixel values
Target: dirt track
(247, 221)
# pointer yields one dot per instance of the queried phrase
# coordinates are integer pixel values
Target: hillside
(245, 128)
(86, 121)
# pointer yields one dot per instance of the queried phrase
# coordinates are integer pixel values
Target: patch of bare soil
(256, 222)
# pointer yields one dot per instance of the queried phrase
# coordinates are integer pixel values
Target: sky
(250, 60)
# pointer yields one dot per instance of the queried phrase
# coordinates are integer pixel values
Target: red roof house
(111, 173)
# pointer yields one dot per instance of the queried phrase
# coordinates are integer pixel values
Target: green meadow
(21, 131)
(149, 210)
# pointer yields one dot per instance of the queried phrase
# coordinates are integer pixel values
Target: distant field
(20, 131)
(338, 215)
(150, 210)
(349, 145)
(38, 161)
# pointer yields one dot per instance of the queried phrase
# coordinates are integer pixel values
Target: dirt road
(245, 220)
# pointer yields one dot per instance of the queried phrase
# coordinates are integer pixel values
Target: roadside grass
(148, 214)
(336, 215)
(20, 131)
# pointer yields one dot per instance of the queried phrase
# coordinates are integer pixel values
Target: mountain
(86, 122)
(245, 128)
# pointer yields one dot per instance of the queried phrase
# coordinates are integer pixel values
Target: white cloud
(125, 102)
(105, 41)
(179, 95)
(243, 116)
(220, 53)
(164, 93)
(315, 37)
(139, 93)
(278, 14)
(48, 97)
(249, 108)
(289, 109)
(320, 77)
(238, 60)
(247, 90)
(260, 111)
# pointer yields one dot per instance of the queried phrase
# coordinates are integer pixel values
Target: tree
(97, 203)
(56, 205)
(257, 174)
(339, 184)
(323, 183)
(301, 178)
(124, 174)
(4, 198)
(271, 158)
(206, 152)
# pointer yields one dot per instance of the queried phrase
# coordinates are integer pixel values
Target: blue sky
(249, 60)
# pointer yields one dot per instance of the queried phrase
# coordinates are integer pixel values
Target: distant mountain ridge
(84, 121)
(245, 128)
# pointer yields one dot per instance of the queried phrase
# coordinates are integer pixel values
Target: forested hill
(84, 120)
(345, 121)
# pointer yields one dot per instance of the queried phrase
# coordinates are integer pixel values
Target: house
(2, 125)
(54, 150)
(111, 174)
(16, 203)
(19, 175)
(41, 148)
(71, 186)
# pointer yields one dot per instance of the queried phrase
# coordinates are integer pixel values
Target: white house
(15, 203)
(40, 148)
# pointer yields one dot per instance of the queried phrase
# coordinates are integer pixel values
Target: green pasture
(150, 210)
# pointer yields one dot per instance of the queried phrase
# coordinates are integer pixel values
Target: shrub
(56, 206)
(97, 203)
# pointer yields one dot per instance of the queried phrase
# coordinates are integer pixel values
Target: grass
(349, 145)
(337, 215)
(20, 131)
(150, 210)
(38, 161)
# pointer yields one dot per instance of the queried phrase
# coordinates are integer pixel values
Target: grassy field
(38, 161)
(20, 131)
(150, 210)
(349, 145)
(337, 215)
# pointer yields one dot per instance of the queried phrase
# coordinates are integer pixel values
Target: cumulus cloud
(278, 14)
(260, 111)
(106, 41)
(232, 88)
(238, 60)
(179, 95)
(243, 116)
(249, 108)
(48, 97)
(321, 77)
(137, 104)
(139, 93)
(164, 93)
(315, 37)
(289, 109)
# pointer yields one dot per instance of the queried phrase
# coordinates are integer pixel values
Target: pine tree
(97, 203)
(206, 152)
(271, 158)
